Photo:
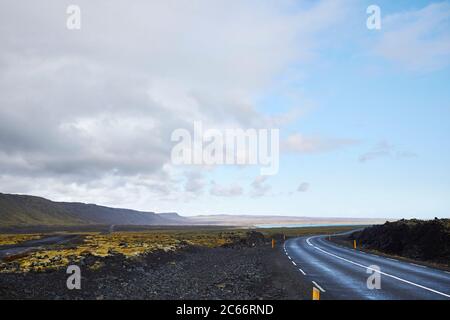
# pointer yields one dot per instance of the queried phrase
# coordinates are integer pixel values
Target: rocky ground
(247, 270)
(427, 241)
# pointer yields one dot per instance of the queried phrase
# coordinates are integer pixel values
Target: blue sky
(364, 115)
(372, 100)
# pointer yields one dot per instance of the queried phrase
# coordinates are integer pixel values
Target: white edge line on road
(318, 287)
(392, 259)
(303, 272)
(307, 241)
(294, 263)
(383, 273)
(418, 265)
(289, 258)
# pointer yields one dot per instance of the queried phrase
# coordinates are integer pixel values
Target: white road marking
(383, 273)
(318, 287)
(392, 259)
(294, 263)
(418, 265)
(307, 241)
(289, 258)
(302, 271)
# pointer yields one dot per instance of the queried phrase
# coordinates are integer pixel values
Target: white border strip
(318, 287)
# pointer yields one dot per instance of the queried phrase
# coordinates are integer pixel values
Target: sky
(363, 114)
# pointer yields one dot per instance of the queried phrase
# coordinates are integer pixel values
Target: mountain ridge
(26, 210)
(17, 210)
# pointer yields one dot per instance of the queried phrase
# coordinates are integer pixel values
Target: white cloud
(303, 187)
(385, 149)
(299, 143)
(417, 40)
(260, 187)
(224, 191)
(93, 110)
(195, 182)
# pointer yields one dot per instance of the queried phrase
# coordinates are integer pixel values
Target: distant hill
(23, 210)
(277, 220)
(173, 216)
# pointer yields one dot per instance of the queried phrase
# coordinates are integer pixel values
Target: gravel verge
(240, 273)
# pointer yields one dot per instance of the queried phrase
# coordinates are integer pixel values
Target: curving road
(342, 273)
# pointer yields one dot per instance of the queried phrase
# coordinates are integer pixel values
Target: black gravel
(240, 272)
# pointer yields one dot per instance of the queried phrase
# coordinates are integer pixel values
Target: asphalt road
(27, 246)
(342, 273)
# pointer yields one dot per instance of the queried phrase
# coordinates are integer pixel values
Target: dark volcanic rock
(415, 239)
(193, 273)
(252, 239)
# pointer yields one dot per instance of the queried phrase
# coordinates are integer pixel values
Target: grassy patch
(132, 244)
(128, 244)
(9, 239)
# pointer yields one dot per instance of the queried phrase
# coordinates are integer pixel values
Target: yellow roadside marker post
(354, 244)
(315, 294)
(273, 243)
